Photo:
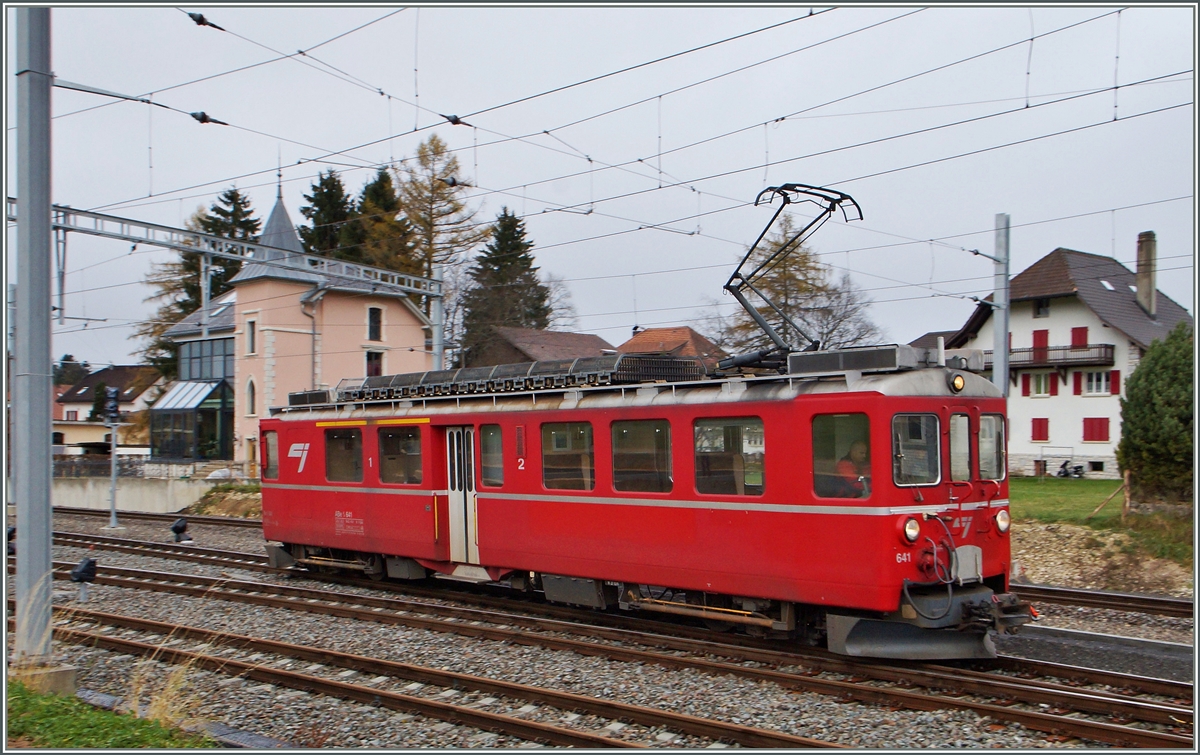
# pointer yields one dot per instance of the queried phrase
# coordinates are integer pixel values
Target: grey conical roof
(279, 231)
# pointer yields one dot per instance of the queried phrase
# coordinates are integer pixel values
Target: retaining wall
(133, 493)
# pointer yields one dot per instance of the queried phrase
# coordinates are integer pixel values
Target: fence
(96, 465)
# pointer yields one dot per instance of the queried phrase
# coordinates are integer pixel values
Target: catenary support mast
(31, 381)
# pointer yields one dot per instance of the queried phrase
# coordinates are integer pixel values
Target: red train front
(860, 499)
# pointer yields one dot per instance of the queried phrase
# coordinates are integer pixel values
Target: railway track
(566, 702)
(146, 516)
(1152, 604)
(255, 562)
(1119, 601)
(517, 629)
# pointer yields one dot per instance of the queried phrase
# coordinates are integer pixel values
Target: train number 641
(902, 558)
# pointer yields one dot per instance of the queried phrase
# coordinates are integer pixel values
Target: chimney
(1147, 265)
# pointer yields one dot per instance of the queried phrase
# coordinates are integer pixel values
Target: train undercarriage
(933, 622)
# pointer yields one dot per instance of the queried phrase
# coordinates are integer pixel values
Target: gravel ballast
(314, 721)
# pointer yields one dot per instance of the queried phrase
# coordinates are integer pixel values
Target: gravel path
(312, 720)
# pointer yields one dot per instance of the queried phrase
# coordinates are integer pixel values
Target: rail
(1116, 601)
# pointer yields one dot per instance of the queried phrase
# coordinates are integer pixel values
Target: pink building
(282, 329)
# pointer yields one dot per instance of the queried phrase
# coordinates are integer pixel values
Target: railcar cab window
(642, 456)
(491, 455)
(916, 459)
(729, 456)
(992, 465)
(841, 455)
(960, 447)
(343, 455)
(271, 455)
(568, 456)
(400, 455)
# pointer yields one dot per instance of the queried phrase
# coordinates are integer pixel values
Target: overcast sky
(667, 157)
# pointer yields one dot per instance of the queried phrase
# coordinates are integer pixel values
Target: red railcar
(735, 500)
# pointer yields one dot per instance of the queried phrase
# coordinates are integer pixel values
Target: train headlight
(912, 529)
(956, 382)
(1003, 520)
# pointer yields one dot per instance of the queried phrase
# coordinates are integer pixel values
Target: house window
(374, 324)
(374, 363)
(250, 398)
(1098, 383)
(1041, 429)
(1041, 307)
(1095, 429)
(56, 439)
(1095, 466)
(251, 337)
(1040, 383)
(72, 415)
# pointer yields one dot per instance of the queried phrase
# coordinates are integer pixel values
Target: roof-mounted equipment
(829, 201)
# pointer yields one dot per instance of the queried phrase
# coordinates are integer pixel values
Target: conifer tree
(504, 289)
(430, 192)
(328, 210)
(177, 284)
(1157, 421)
(381, 236)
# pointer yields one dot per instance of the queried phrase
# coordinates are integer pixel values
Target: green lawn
(54, 722)
(1055, 499)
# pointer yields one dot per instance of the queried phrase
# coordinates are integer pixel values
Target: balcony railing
(1092, 355)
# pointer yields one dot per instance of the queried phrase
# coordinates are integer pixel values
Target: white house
(1079, 324)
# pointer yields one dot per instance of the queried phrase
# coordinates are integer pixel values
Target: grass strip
(1070, 501)
(52, 721)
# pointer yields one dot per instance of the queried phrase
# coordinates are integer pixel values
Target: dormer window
(1041, 307)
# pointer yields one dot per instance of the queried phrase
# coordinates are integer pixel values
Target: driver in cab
(854, 471)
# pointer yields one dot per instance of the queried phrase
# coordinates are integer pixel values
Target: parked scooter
(1066, 470)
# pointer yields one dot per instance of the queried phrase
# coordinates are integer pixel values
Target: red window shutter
(1079, 337)
(1041, 429)
(1095, 428)
(1041, 339)
(1025, 384)
(1078, 383)
(1053, 377)
(1115, 377)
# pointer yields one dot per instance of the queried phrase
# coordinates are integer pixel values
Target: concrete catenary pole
(31, 381)
(1000, 311)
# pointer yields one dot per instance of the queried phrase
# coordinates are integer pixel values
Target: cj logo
(299, 451)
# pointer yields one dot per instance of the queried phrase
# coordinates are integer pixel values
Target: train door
(460, 482)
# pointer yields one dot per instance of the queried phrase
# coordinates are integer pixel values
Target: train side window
(400, 455)
(960, 447)
(841, 455)
(729, 455)
(271, 454)
(491, 455)
(642, 456)
(568, 456)
(916, 459)
(343, 455)
(992, 465)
